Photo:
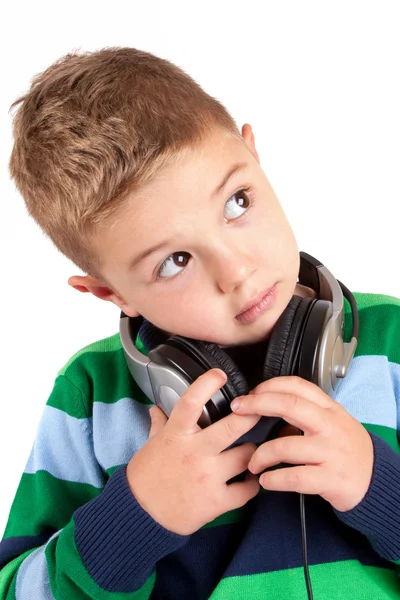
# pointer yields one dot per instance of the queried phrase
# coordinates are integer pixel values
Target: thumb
(158, 420)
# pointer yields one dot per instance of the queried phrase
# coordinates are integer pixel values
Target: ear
(249, 139)
(87, 283)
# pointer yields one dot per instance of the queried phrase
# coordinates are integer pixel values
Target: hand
(179, 475)
(336, 451)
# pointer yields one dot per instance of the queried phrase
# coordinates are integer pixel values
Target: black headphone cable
(356, 326)
(304, 543)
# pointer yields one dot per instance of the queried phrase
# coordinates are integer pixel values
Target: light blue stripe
(67, 448)
(64, 447)
(371, 391)
(119, 430)
(81, 450)
(33, 577)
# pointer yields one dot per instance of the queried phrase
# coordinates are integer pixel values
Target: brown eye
(168, 268)
(237, 204)
(180, 259)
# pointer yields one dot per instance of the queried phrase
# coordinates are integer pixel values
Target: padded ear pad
(208, 355)
(151, 335)
(211, 356)
(284, 342)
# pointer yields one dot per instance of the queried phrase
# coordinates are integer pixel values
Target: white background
(319, 83)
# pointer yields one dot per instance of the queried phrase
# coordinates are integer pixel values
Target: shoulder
(98, 372)
(106, 349)
(368, 300)
(379, 316)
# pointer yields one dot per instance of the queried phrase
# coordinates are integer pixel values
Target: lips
(257, 307)
(255, 301)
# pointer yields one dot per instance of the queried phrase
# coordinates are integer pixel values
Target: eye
(172, 264)
(176, 263)
(238, 204)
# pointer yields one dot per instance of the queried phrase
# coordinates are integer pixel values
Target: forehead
(173, 194)
(196, 170)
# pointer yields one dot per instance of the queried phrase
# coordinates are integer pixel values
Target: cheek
(173, 310)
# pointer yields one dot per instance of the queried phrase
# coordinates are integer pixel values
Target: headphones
(307, 341)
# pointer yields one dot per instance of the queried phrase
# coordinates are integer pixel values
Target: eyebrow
(228, 176)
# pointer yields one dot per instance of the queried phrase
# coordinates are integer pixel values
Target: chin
(249, 337)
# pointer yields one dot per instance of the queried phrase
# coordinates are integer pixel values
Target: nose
(231, 267)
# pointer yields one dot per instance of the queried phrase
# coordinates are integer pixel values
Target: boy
(144, 181)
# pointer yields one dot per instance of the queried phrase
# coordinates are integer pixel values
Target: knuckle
(188, 459)
(189, 399)
(231, 425)
(291, 401)
(336, 407)
(204, 479)
(292, 477)
(278, 447)
(167, 440)
(219, 497)
(264, 386)
(298, 381)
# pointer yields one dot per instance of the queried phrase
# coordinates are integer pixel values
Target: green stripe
(365, 300)
(67, 397)
(332, 581)
(94, 378)
(109, 344)
(105, 377)
(64, 561)
(111, 470)
(386, 433)
(379, 331)
(232, 516)
(43, 501)
(8, 576)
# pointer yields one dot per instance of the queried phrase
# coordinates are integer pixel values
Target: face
(219, 251)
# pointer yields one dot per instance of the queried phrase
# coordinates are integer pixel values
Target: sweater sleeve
(73, 531)
(377, 516)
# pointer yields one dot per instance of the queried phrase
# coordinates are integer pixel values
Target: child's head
(117, 151)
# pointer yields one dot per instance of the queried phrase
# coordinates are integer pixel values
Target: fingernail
(235, 404)
(222, 372)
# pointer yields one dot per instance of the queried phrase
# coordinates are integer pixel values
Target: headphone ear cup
(205, 354)
(284, 342)
(212, 356)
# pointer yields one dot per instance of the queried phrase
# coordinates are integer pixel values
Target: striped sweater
(75, 530)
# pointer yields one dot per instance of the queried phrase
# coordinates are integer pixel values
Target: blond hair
(97, 126)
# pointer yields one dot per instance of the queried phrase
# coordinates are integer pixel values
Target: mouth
(256, 307)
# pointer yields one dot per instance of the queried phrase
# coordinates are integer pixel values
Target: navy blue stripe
(14, 546)
(378, 514)
(119, 543)
(267, 539)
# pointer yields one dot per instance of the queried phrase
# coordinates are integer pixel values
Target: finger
(188, 409)
(297, 411)
(309, 479)
(235, 460)
(224, 432)
(296, 450)
(295, 385)
(158, 420)
(239, 493)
